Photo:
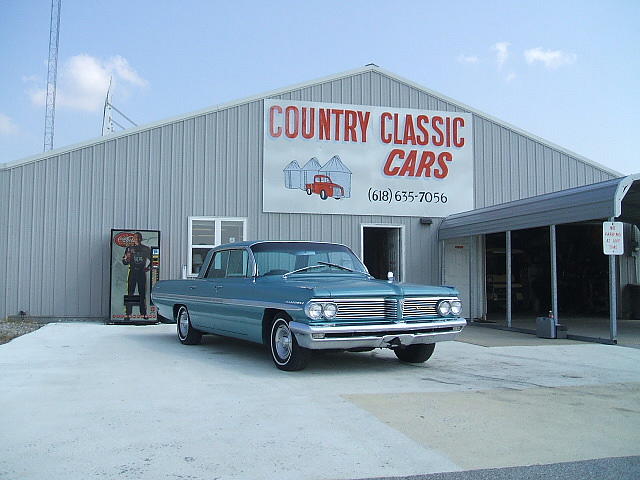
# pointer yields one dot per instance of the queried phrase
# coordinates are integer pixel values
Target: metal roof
(274, 93)
(619, 197)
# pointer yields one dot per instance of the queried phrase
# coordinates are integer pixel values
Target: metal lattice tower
(52, 74)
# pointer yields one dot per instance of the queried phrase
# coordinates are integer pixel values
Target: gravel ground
(10, 329)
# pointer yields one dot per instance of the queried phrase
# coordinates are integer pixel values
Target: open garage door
(582, 276)
(575, 278)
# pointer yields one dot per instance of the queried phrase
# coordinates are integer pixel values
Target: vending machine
(135, 269)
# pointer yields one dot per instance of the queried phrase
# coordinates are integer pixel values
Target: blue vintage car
(297, 297)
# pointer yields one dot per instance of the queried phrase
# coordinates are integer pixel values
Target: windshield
(279, 258)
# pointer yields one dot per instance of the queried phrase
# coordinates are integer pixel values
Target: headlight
(313, 310)
(456, 307)
(329, 310)
(318, 310)
(444, 308)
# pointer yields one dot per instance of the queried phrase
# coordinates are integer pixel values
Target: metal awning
(619, 198)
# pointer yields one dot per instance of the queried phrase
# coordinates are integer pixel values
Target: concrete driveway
(85, 401)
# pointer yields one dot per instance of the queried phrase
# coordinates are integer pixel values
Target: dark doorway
(381, 251)
(582, 272)
(530, 272)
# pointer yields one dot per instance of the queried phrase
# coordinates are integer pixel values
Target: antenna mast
(108, 121)
(52, 74)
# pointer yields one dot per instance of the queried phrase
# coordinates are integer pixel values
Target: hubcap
(183, 324)
(283, 342)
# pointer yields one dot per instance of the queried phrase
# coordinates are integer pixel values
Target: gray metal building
(57, 209)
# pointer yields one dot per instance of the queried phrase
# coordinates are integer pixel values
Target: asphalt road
(620, 468)
(95, 401)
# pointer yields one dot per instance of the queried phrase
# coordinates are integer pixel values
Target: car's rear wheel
(186, 333)
(323, 194)
(309, 192)
(285, 351)
(415, 353)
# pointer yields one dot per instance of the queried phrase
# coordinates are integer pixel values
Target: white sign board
(362, 160)
(612, 239)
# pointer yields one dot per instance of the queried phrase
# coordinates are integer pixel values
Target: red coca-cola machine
(135, 269)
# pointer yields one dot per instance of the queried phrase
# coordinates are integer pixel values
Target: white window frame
(217, 228)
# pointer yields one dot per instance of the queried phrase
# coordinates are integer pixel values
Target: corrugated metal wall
(60, 209)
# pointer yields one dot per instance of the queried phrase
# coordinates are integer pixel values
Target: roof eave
(298, 86)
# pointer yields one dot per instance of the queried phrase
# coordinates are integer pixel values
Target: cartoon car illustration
(323, 186)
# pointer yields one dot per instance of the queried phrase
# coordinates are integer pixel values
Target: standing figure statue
(138, 257)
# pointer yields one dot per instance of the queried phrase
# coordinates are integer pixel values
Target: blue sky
(566, 71)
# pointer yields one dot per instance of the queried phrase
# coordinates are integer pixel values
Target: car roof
(249, 243)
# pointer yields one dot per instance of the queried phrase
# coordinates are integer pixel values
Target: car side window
(237, 263)
(218, 266)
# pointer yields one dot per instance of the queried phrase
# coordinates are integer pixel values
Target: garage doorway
(382, 250)
(582, 274)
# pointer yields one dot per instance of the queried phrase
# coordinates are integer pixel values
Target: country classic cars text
(400, 131)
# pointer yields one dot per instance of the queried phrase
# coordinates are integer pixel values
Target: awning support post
(508, 250)
(613, 301)
(554, 273)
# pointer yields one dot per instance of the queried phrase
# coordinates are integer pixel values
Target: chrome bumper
(376, 336)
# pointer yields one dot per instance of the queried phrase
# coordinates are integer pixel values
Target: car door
(237, 309)
(206, 312)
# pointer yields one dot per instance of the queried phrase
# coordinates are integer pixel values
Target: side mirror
(390, 276)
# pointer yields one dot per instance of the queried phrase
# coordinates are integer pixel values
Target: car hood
(336, 286)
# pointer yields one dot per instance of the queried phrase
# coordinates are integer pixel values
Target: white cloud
(7, 127)
(502, 52)
(511, 77)
(122, 69)
(83, 82)
(550, 58)
(468, 58)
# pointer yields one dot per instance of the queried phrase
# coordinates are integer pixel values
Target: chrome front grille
(354, 308)
(385, 308)
(391, 309)
(419, 307)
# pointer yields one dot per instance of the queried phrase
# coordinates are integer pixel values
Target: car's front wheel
(285, 351)
(186, 333)
(415, 353)
(323, 194)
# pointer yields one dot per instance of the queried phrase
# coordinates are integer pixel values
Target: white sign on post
(612, 239)
(363, 160)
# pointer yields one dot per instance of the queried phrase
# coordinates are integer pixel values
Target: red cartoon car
(323, 186)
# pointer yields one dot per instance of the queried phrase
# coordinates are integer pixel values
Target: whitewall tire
(186, 333)
(285, 351)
